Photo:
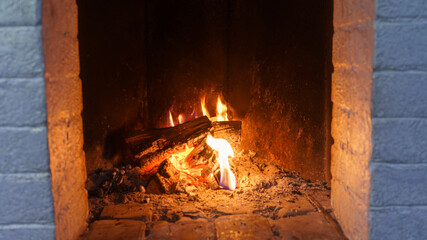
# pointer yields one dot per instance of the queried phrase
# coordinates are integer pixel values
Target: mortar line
(325, 214)
(26, 225)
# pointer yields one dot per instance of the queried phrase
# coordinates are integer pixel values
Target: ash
(262, 189)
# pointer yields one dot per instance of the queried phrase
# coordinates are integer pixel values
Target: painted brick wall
(398, 199)
(26, 206)
(65, 126)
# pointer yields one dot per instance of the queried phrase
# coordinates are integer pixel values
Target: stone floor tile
(299, 206)
(131, 211)
(185, 228)
(246, 226)
(116, 229)
(312, 226)
(323, 198)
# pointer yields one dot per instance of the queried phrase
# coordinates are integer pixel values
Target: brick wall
(378, 190)
(379, 126)
(398, 201)
(26, 206)
(64, 121)
(351, 114)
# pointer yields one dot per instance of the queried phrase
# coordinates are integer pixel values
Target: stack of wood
(152, 151)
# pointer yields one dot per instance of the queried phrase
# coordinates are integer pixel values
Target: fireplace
(147, 64)
(374, 164)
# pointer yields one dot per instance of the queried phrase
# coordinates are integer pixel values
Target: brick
(396, 223)
(22, 102)
(400, 8)
(21, 52)
(25, 232)
(310, 226)
(353, 45)
(351, 170)
(400, 46)
(116, 229)
(185, 228)
(352, 88)
(350, 211)
(399, 94)
(26, 198)
(398, 184)
(353, 11)
(351, 130)
(128, 211)
(247, 226)
(23, 150)
(20, 12)
(399, 140)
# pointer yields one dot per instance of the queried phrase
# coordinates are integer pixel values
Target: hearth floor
(268, 203)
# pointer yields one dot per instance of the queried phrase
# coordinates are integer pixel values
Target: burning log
(184, 145)
(165, 180)
(151, 146)
(228, 130)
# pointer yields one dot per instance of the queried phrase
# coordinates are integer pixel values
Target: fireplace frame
(378, 124)
(351, 94)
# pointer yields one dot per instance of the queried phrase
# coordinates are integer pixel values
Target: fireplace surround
(378, 120)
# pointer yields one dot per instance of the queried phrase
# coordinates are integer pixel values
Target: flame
(227, 178)
(171, 124)
(178, 158)
(221, 111)
(181, 118)
(204, 110)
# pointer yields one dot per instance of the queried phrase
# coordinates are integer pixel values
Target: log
(151, 146)
(228, 130)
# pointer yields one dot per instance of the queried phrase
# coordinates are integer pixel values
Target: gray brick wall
(398, 199)
(26, 204)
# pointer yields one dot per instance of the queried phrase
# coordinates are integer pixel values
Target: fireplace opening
(147, 67)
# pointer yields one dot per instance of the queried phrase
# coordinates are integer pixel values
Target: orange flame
(180, 162)
(171, 123)
(227, 178)
(181, 118)
(221, 111)
(204, 110)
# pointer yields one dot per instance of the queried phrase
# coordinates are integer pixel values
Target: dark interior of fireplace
(269, 61)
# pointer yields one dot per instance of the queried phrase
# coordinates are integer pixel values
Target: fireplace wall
(379, 119)
(396, 202)
(271, 62)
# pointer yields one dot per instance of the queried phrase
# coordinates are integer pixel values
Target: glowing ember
(179, 159)
(204, 110)
(221, 111)
(227, 178)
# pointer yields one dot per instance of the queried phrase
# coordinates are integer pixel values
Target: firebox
(162, 68)
(270, 62)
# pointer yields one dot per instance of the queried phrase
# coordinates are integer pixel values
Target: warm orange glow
(181, 118)
(221, 111)
(204, 110)
(171, 124)
(178, 159)
(227, 178)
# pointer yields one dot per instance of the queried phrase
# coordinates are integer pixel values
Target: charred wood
(151, 146)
